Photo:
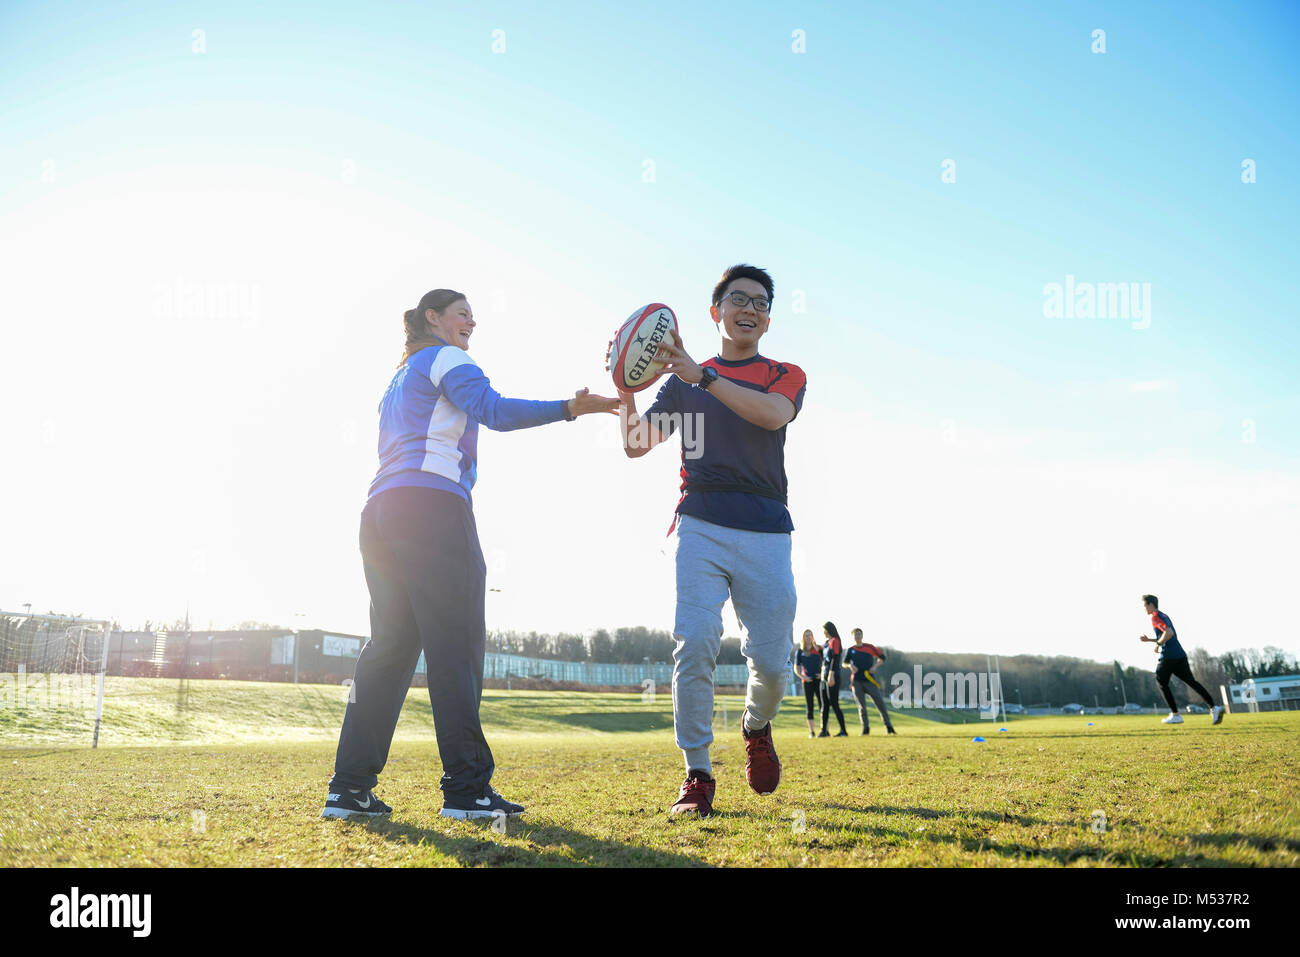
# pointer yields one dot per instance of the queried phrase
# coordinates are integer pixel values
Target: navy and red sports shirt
(738, 479)
(810, 662)
(1170, 649)
(863, 657)
(834, 652)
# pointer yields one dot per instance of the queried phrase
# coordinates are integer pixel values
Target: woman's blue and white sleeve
(462, 381)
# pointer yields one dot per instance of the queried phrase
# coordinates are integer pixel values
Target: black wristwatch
(709, 377)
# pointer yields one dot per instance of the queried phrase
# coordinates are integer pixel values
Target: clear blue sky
(963, 460)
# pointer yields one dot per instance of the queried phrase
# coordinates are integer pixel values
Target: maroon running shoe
(696, 796)
(762, 766)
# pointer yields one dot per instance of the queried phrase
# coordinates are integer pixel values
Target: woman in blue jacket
(808, 668)
(423, 564)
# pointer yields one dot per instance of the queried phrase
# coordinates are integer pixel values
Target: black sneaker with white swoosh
(490, 804)
(345, 803)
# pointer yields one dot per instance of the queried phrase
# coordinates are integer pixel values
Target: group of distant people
(820, 666)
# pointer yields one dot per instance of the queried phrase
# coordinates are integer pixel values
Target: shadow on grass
(618, 721)
(929, 814)
(1040, 736)
(545, 846)
(1085, 848)
(23, 753)
(1012, 851)
(1257, 842)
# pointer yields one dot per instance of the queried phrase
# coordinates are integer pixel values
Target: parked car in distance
(1197, 709)
(1132, 708)
(1072, 709)
(1013, 708)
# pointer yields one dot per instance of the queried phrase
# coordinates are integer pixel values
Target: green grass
(233, 774)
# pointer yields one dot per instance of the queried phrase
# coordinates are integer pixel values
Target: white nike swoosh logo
(482, 802)
(365, 803)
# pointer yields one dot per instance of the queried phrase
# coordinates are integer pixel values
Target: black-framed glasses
(740, 300)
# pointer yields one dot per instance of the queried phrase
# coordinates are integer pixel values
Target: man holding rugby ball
(732, 531)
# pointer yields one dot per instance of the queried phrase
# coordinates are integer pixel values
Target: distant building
(1267, 694)
(322, 657)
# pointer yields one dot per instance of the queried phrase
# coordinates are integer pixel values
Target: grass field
(220, 773)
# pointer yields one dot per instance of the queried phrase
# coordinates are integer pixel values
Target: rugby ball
(632, 353)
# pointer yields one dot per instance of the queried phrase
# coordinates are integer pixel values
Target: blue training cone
(976, 738)
(1090, 724)
(1001, 729)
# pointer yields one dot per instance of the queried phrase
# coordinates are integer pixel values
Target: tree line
(1026, 679)
(623, 646)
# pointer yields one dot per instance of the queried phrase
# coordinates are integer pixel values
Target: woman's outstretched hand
(584, 403)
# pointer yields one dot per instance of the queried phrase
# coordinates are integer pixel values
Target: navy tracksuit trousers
(1179, 668)
(426, 575)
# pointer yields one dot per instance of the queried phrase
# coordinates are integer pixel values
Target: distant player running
(732, 526)
(863, 659)
(1173, 662)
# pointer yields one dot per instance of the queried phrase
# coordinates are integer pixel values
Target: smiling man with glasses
(732, 526)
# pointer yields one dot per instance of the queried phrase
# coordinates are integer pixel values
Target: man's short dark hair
(742, 271)
(1151, 600)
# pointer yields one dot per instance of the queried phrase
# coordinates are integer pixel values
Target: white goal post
(54, 645)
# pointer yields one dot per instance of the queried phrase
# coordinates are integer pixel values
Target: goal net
(51, 673)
